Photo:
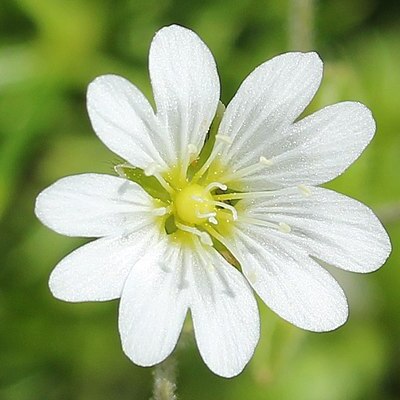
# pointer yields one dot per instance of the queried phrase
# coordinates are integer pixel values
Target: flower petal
(94, 205)
(224, 312)
(287, 280)
(186, 88)
(329, 226)
(316, 149)
(153, 305)
(267, 102)
(124, 120)
(98, 270)
(172, 278)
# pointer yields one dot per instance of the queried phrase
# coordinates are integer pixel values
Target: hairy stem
(165, 380)
(301, 24)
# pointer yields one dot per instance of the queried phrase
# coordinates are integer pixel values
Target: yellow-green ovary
(192, 202)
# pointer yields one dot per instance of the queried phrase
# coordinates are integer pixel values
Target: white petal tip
(173, 28)
(57, 288)
(329, 323)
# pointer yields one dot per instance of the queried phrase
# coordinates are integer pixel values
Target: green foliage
(49, 51)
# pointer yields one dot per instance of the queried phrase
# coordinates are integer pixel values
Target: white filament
(204, 236)
(305, 190)
(214, 185)
(281, 226)
(227, 207)
(251, 169)
(218, 204)
(160, 211)
(224, 138)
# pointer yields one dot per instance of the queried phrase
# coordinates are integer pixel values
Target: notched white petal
(287, 280)
(153, 305)
(321, 146)
(224, 312)
(94, 205)
(329, 226)
(186, 88)
(267, 102)
(124, 120)
(98, 270)
(316, 149)
(159, 291)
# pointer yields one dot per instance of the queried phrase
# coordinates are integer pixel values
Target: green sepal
(149, 183)
(170, 226)
(209, 142)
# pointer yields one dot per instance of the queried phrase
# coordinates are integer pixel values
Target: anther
(285, 228)
(210, 267)
(251, 169)
(154, 170)
(224, 138)
(281, 226)
(252, 277)
(192, 148)
(151, 169)
(204, 236)
(305, 190)
(120, 171)
(265, 161)
(213, 220)
(160, 211)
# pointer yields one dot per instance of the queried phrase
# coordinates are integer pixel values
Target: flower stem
(301, 24)
(165, 380)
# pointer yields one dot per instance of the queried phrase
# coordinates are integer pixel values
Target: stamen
(220, 141)
(192, 152)
(284, 227)
(252, 276)
(239, 196)
(227, 207)
(192, 148)
(204, 236)
(214, 185)
(218, 204)
(153, 170)
(119, 169)
(160, 211)
(281, 226)
(266, 161)
(224, 138)
(205, 215)
(150, 169)
(262, 163)
(213, 220)
(206, 165)
(205, 258)
(305, 190)
(214, 233)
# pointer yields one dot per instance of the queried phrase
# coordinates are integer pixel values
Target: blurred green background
(49, 51)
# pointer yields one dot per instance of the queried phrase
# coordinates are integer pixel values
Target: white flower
(254, 194)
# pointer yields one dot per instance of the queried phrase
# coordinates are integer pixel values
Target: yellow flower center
(194, 204)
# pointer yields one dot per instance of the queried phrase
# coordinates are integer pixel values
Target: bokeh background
(49, 51)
